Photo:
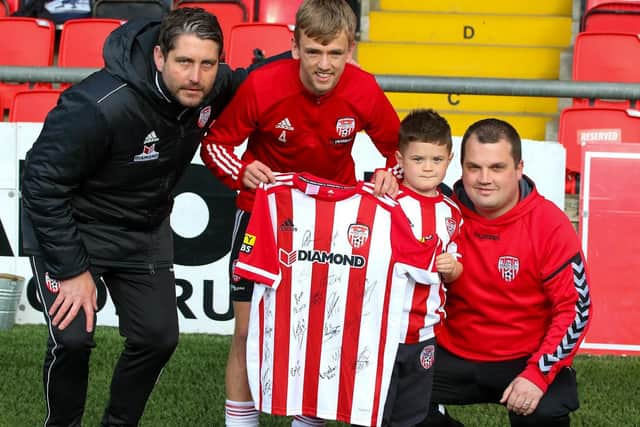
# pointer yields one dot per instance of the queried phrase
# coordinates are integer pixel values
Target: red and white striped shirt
(324, 326)
(429, 216)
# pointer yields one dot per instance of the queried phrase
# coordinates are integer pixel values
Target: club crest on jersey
(508, 266)
(427, 356)
(52, 284)
(358, 234)
(205, 113)
(345, 126)
(451, 225)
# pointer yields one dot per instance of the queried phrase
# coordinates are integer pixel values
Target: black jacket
(98, 180)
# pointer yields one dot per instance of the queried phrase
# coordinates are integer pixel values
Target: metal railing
(392, 83)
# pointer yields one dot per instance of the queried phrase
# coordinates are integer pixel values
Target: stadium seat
(606, 57)
(229, 13)
(614, 16)
(4, 8)
(250, 5)
(278, 11)
(33, 105)
(269, 39)
(81, 41)
(13, 5)
(131, 9)
(603, 124)
(595, 4)
(31, 44)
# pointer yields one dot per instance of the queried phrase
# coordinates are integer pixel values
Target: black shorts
(241, 289)
(410, 388)
(459, 382)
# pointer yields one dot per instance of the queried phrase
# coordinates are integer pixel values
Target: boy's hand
(445, 263)
(448, 266)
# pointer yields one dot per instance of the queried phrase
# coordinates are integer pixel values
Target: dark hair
(490, 131)
(323, 20)
(188, 20)
(424, 125)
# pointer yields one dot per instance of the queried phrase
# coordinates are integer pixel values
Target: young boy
(424, 153)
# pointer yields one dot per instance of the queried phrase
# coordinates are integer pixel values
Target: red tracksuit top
(523, 291)
(292, 130)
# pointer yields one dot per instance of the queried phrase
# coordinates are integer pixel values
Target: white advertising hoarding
(202, 221)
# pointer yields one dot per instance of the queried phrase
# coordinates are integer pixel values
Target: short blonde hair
(324, 20)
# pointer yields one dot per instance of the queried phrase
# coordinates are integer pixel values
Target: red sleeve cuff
(533, 374)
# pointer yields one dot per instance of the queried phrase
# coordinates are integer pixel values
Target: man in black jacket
(97, 198)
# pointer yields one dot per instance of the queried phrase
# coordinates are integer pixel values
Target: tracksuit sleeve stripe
(577, 329)
(224, 160)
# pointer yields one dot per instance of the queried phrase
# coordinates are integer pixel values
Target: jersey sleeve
(231, 129)
(564, 282)
(417, 257)
(258, 259)
(383, 126)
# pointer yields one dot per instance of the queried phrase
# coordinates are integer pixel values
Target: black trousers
(460, 382)
(148, 320)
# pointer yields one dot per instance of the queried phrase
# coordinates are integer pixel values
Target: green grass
(191, 389)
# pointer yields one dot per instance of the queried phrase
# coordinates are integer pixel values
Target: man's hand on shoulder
(521, 396)
(76, 293)
(385, 183)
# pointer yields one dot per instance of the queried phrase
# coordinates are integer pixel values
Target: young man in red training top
(517, 315)
(300, 115)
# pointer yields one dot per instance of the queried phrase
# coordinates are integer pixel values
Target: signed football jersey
(331, 264)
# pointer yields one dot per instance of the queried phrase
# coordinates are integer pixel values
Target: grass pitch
(190, 392)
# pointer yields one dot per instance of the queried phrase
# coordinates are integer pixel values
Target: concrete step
(470, 29)
(506, 7)
(473, 103)
(459, 60)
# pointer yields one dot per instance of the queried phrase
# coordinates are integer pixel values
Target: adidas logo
(151, 138)
(284, 124)
(287, 225)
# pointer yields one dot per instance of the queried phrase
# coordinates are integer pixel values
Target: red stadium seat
(609, 57)
(278, 11)
(250, 5)
(270, 39)
(582, 124)
(13, 5)
(31, 44)
(81, 41)
(595, 4)
(33, 105)
(4, 9)
(612, 16)
(229, 13)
